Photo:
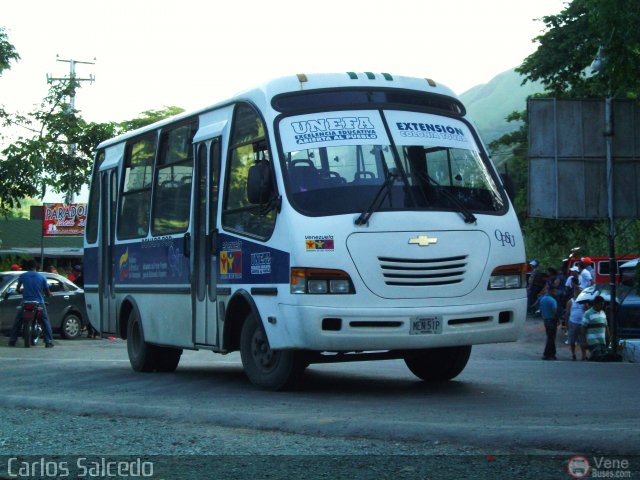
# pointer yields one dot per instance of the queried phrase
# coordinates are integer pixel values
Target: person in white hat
(573, 273)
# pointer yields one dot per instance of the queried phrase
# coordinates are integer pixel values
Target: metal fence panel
(567, 159)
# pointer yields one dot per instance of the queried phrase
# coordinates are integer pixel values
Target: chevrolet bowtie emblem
(422, 240)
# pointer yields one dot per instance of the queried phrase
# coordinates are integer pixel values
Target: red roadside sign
(59, 219)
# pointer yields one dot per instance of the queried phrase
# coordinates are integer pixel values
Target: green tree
(7, 51)
(150, 116)
(572, 40)
(55, 153)
(7, 55)
(567, 47)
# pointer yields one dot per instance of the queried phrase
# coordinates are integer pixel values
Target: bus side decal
(242, 261)
(158, 260)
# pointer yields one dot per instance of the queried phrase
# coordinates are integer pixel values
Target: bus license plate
(426, 325)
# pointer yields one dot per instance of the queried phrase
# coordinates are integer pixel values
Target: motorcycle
(32, 328)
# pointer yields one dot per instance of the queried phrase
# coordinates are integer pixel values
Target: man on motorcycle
(34, 287)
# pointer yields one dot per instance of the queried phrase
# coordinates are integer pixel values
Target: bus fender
(240, 305)
(126, 306)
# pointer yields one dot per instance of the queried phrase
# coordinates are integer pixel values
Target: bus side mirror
(259, 183)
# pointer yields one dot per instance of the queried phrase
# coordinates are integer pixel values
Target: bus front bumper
(329, 329)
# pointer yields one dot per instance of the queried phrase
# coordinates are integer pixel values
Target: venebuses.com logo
(598, 467)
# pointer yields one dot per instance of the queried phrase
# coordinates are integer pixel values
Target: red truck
(600, 265)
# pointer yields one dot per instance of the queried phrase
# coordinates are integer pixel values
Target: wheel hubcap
(72, 327)
(262, 353)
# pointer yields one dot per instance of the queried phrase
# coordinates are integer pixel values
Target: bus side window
(248, 145)
(172, 191)
(133, 219)
(94, 200)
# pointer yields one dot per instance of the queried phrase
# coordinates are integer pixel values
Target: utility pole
(598, 65)
(72, 98)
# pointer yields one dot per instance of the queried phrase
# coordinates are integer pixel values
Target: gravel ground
(36, 432)
(52, 444)
(38, 443)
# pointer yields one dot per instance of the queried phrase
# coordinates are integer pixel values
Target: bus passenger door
(106, 287)
(203, 253)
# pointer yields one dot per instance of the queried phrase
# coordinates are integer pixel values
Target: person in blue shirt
(549, 312)
(34, 287)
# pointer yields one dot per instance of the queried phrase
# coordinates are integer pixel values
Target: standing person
(574, 312)
(571, 281)
(79, 281)
(72, 274)
(556, 279)
(79, 278)
(34, 287)
(535, 285)
(585, 277)
(549, 312)
(588, 263)
(561, 282)
(595, 329)
(573, 273)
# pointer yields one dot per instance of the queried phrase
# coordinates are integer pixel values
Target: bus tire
(142, 356)
(267, 368)
(167, 358)
(438, 364)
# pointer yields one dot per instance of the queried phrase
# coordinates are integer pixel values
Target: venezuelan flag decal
(320, 242)
(123, 265)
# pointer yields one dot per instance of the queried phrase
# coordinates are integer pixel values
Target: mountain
(488, 105)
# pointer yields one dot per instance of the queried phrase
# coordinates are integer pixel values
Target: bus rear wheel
(167, 358)
(267, 368)
(142, 355)
(438, 364)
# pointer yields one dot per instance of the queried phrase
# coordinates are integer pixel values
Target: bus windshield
(332, 166)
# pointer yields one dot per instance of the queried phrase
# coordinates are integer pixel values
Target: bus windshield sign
(411, 128)
(354, 127)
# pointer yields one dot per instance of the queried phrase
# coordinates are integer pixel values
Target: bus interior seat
(304, 175)
(366, 178)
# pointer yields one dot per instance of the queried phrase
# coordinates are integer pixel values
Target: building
(22, 239)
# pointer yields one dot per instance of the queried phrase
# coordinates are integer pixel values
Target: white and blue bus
(315, 218)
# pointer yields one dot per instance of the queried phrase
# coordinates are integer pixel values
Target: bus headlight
(320, 281)
(508, 277)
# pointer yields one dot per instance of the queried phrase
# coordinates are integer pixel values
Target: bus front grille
(423, 272)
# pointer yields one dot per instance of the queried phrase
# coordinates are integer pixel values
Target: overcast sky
(188, 53)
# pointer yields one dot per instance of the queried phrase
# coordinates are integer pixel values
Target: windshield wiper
(384, 190)
(463, 210)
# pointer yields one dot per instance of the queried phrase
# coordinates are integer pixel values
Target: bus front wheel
(267, 368)
(438, 364)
